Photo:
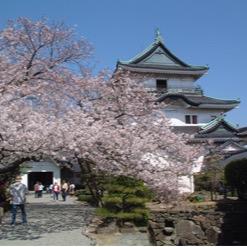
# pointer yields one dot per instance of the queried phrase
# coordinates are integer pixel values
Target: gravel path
(50, 222)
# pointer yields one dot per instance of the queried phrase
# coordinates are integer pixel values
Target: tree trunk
(91, 181)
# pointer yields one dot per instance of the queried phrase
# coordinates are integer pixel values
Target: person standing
(72, 189)
(65, 188)
(56, 191)
(18, 193)
(36, 190)
(41, 187)
(2, 201)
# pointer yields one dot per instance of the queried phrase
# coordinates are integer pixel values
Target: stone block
(160, 237)
(212, 235)
(154, 225)
(186, 227)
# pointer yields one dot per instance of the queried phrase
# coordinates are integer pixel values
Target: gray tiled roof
(198, 100)
(242, 131)
(158, 68)
(156, 58)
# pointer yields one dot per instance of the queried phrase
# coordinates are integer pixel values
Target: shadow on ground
(233, 229)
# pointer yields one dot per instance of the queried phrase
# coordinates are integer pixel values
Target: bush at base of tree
(211, 178)
(124, 200)
(84, 195)
(236, 177)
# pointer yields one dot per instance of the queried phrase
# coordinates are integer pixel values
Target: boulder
(188, 233)
(185, 227)
(212, 235)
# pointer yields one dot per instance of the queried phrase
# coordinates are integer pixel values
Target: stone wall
(218, 224)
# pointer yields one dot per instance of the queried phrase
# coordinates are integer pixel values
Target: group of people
(38, 189)
(18, 193)
(65, 189)
(55, 189)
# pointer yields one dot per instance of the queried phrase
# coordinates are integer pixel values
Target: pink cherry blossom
(109, 121)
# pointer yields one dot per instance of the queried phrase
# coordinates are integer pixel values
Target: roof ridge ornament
(158, 37)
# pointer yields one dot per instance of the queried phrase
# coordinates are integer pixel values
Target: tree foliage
(104, 123)
(236, 176)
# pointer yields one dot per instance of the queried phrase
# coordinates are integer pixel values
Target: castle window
(187, 119)
(191, 119)
(194, 119)
(161, 85)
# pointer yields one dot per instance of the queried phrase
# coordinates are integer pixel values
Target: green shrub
(197, 198)
(236, 177)
(124, 200)
(84, 195)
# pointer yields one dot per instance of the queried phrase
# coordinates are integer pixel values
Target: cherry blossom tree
(36, 60)
(105, 123)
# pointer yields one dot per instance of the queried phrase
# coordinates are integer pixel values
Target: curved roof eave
(193, 71)
(218, 106)
(223, 105)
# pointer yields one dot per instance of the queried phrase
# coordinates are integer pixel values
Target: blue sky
(199, 32)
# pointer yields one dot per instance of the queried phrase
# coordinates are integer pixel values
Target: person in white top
(56, 191)
(65, 189)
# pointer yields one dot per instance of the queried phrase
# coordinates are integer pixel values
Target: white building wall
(176, 114)
(186, 184)
(172, 83)
(187, 83)
(43, 166)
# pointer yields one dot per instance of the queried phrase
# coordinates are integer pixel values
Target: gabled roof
(156, 58)
(216, 123)
(231, 147)
(200, 101)
(219, 130)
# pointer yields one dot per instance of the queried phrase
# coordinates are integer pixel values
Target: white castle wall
(172, 83)
(176, 114)
(42, 166)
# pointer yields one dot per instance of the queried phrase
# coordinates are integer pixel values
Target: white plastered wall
(42, 166)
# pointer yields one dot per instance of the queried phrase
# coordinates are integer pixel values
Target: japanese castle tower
(189, 110)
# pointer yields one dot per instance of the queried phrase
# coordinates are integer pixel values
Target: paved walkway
(50, 222)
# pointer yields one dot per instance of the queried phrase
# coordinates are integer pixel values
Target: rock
(126, 230)
(189, 233)
(212, 235)
(160, 237)
(185, 227)
(128, 225)
(142, 229)
(110, 228)
(168, 231)
(154, 225)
